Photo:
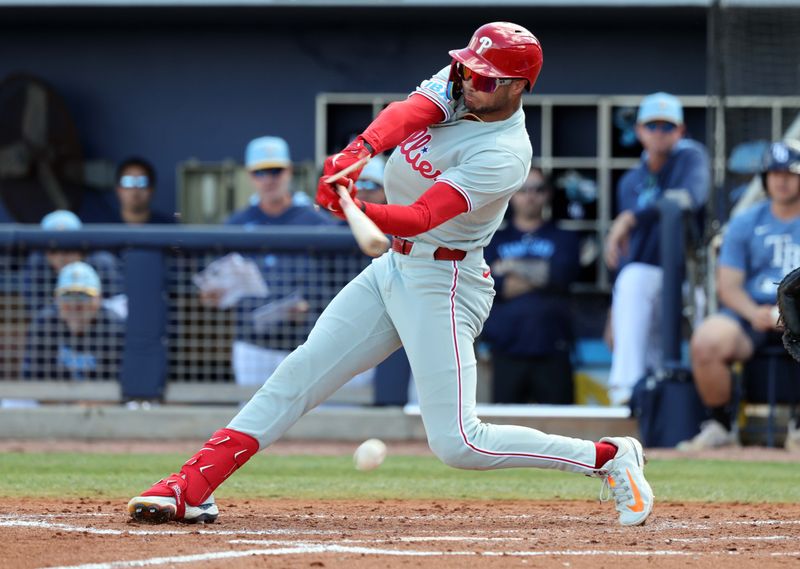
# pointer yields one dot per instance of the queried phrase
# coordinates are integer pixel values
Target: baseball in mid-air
(369, 454)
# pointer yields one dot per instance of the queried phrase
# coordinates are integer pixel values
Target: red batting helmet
(502, 49)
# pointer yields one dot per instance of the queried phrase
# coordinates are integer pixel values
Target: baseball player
(462, 151)
(760, 246)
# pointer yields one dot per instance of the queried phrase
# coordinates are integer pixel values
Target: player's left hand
(328, 197)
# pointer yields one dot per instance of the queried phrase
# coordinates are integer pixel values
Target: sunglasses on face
(268, 172)
(137, 182)
(367, 185)
(663, 126)
(480, 82)
(75, 297)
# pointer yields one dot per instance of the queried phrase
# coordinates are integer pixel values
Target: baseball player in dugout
(461, 152)
(760, 246)
(671, 165)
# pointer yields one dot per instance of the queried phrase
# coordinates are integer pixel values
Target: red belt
(403, 246)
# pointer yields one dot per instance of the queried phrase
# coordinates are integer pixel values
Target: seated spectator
(529, 330)
(136, 185)
(760, 246)
(295, 285)
(75, 338)
(42, 268)
(670, 165)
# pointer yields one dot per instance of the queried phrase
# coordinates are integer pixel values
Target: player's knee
(707, 347)
(454, 452)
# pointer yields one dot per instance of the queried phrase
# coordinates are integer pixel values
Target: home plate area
(96, 534)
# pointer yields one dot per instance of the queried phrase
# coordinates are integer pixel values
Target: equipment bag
(667, 407)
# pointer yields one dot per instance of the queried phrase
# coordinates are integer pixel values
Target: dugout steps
(327, 422)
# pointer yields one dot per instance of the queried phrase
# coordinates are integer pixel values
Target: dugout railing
(176, 347)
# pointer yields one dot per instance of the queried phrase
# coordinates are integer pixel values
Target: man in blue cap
(670, 163)
(270, 167)
(257, 351)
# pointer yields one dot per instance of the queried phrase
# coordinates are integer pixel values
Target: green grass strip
(118, 476)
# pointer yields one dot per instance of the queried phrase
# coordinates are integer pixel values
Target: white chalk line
(13, 520)
(63, 515)
(728, 538)
(286, 547)
(434, 538)
(306, 548)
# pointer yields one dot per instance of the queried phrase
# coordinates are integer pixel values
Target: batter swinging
(463, 150)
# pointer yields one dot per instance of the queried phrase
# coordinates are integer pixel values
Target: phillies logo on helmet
(486, 43)
(501, 50)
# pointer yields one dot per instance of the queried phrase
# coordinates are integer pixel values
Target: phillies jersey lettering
(413, 148)
(486, 162)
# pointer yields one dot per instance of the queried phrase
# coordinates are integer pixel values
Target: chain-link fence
(184, 306)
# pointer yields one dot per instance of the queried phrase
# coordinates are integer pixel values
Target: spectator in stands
(671, 166)
(42, 268)
(761, 245)
(529, 330)
(136, 185)
(294, 283)
(75, 338)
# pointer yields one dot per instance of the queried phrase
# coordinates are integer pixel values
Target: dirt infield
(97, 534)
(345, 534)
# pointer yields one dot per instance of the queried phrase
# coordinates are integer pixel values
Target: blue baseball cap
(61, 220)
(267, 152)
(372, 172)
(660, 107)
(78, 277)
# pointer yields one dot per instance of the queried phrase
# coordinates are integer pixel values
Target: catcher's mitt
(789, 307)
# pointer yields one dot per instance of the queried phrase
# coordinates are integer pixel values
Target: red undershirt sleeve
(399, 120)
(438, 204)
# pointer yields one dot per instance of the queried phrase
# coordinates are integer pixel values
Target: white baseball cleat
(623, 476)
(162, 509)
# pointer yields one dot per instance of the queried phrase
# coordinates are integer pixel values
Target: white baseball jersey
(485, 161)
(433, 308)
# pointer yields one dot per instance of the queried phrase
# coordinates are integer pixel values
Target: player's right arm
(730, 285)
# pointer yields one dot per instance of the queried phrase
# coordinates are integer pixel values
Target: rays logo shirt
(762, 246)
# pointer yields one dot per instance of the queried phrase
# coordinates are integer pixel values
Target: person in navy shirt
(131, 201)
(136, 185)
(76, 337)
(529, 328)
(670, 166)
(296, 285)
(761, 245)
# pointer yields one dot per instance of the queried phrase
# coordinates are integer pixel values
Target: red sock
(605, 452)
(220, 457)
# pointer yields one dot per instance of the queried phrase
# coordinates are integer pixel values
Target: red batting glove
(352, 153)
(328, 196)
